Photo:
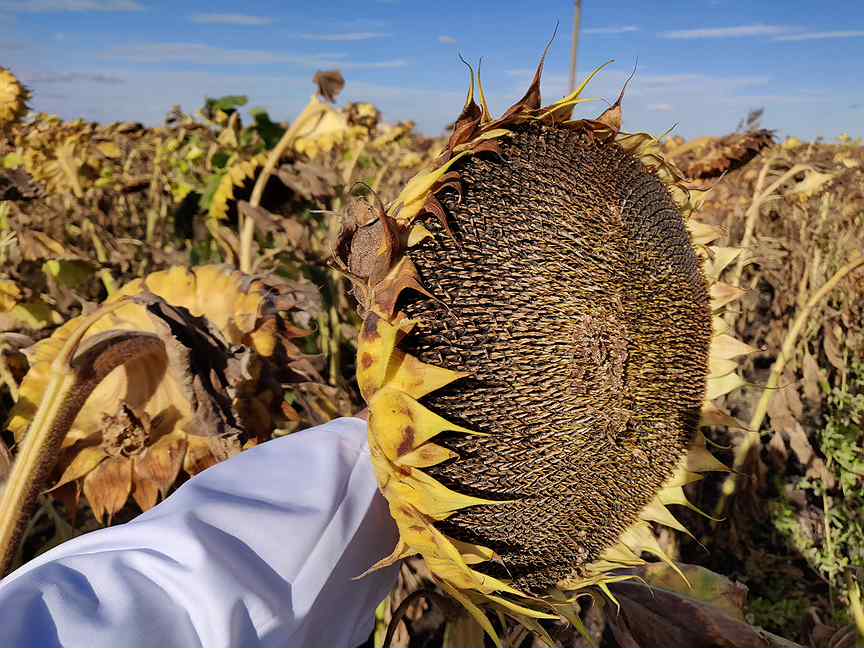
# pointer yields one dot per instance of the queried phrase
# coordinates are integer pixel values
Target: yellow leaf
(86, 460)
(109, 150)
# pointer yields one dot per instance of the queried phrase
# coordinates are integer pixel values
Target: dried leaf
(812, 380)
(831, 343)
(330, 83)
(107, 487)
(156, 469)
(86, 460)
(652, 616)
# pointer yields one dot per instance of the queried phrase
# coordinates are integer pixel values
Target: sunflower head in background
(210, 385)
(540, 339)
(13, 98)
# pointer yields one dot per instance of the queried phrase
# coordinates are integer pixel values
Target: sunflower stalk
(313, 112)
(787, 351)
(73, 378)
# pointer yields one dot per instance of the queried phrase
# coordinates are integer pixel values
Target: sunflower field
(615, 382)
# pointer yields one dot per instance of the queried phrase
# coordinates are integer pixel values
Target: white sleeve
(259, 550)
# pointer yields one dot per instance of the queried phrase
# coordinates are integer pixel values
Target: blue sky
(701, 64)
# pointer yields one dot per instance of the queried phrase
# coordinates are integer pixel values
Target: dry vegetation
(87, 208)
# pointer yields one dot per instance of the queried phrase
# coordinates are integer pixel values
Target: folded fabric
(259, 550)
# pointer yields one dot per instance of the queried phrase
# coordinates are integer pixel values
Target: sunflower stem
(315, 110)
(743, 451)
(63, 398)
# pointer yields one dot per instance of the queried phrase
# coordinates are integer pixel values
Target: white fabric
(259, 550)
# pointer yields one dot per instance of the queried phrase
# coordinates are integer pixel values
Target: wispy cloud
(623, 29)
(75, 77)
(200, 54)
(740, 31)
(447, 40)
(805, 36)
(56, 6)
(345, 36)
(244, 20)
(660, 107)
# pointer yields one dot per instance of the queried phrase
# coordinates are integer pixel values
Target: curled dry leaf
(660, 612)
(330, 83)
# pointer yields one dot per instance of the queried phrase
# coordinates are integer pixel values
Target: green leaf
(269, 131)
(12, 161)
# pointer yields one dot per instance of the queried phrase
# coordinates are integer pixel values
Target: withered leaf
(652, 616)
(831, 337)
(330, 83)
(86, 460)
(724, 154)
(308, 179)
(198, 455)
(107, 487)
(265, 221)
(812, 379)
(17, 184)
(156, 469)
(704, 585)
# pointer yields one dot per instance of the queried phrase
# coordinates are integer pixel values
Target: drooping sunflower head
(208, 387)
(534, 353)
(13, 98)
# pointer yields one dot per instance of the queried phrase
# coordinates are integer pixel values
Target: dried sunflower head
(13, 98)
(210, 384)
(536, 341)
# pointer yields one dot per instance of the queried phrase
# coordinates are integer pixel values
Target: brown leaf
(777, 449)
(651, 617)
(198, 455)
(156, 469)
(831, 343)
(265, 221)
(38, 246)
(721, 155)
(785, 407)
(812, 379)
(308, 179)
(17, 184)
(86, 459)
(330, 83)
(107, 487)
(531, 99)
(800, 444)
(704, 585)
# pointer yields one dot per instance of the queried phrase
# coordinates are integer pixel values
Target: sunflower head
(13, 98)
(534, 352)
(208, 385)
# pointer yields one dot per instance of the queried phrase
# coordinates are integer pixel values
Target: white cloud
(741, 31)
(46, 6)
(624, 29)
(231, 19)
(660, 107)
(75, 77)
(447, 40)
(820, 35)
(200, 54)
(343, 37)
